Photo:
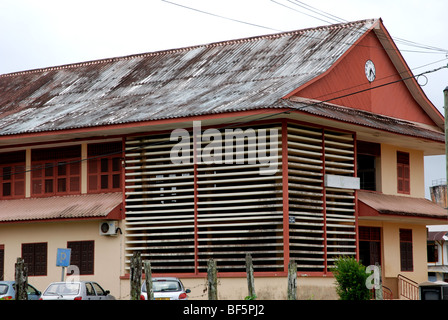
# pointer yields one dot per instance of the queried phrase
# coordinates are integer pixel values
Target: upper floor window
(104, 167)
(367, 157)
(56, 171)
(12, 175)
(403, 173)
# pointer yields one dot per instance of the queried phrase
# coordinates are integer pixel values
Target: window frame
(403, 173)
(406, 250)
(96, 176)
(33, 257)
(49, 175)
(85, 252)
(16, 178)
(371, 237)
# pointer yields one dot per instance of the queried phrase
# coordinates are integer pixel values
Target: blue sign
(63, 257)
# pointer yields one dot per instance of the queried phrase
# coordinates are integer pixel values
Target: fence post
(250, 277)
(212, 280)
(148, 280)
(21, 278)
(292, 280)
(136, 276)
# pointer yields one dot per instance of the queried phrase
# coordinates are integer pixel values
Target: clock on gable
(370, 70)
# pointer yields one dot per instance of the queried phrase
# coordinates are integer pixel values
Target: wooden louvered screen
(322, 220)
(240, 210)
(160, 205)
(340, 203)
(178, 215)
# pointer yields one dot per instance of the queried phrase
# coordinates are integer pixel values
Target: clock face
(370, 70)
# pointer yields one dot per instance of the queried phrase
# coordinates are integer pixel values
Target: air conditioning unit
(108, 228)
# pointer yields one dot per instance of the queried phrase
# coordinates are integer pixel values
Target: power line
(221, 17)
(318, 11)
(339, 20)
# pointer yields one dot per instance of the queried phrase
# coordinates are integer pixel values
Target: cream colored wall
(390, 249)
(108, 259)
(388, 172)
(266, 288)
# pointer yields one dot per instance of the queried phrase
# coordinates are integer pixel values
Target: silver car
(80, 290)
(8, 292)
(166, 288)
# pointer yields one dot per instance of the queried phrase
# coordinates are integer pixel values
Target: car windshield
(62, 289)
(3, 288)
(164, 286)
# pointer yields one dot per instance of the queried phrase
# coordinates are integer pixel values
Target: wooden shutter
(406, 251)
(403, 173)
(35, 257)
(82, 255)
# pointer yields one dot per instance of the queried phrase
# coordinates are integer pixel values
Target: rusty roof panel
(235, 75)
(364, 118)
(401, 205)
(67, 207)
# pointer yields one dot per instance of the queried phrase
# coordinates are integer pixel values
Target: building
(437, 256)
(305, 146)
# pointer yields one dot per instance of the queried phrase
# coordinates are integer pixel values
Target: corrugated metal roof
(437, 235)
(401, 205)
(235, 75)
(365, 118)
(66, 207)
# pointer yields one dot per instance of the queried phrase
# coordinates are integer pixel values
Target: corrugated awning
(89, 206)
(437, 235)
(378, 204)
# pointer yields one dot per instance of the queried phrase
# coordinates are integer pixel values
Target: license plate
(162, 298)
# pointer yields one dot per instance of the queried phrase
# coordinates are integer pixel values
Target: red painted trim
(360, 125)
(58, 143)
(195, 197)
(355, 163)
(324, 203)
(408, 70)
(135, 125)
(123, 176)
(285, 186)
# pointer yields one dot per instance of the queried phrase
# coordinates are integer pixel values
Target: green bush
(351, 279)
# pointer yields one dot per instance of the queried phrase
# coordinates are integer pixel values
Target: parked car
(80, 290)
(167, 288)
(8, 292)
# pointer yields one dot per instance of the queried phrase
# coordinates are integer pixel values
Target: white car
(166, 288)
(80, 290)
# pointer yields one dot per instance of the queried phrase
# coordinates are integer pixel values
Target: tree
(351, 279)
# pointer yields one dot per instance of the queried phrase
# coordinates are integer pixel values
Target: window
(370, 245)
(56, 171)
(99, 290)
(104, 167)
(367, 155)
(82, 255)
(403, 173)
(406, 255)
(12, 175)
(433, 252)
(35, 257)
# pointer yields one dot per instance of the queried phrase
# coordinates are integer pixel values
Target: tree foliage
(351, 279)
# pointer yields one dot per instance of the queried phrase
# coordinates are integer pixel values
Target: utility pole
(445, 94)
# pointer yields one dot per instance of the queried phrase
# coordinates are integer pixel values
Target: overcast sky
(36, 34)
